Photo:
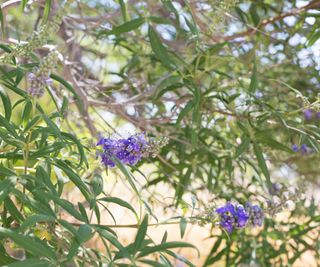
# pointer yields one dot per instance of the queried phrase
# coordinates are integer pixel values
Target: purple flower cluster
(304, 149)
(126, 150)
(236, 216)
(37, 84)
(256, 214)
(309, 114)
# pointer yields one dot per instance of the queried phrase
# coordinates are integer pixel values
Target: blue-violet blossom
(256, 214)
(126, 150)
(232, 216)
(308, 113)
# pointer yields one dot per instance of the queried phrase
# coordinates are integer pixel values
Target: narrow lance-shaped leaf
(254, 79)
(69, 87)
(125, 27)
(159, 49)
(162, 247)
(242, 147)
(6, 104)
(2, 22)
(30, 244)
(142, 231)
(46, 11)
(120, 202)
(262, 163)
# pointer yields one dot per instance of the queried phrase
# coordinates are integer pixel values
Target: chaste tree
(193, 117)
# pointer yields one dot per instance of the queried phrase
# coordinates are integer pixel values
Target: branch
(253, 30)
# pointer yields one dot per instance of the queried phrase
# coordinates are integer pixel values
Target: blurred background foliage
(226, 81)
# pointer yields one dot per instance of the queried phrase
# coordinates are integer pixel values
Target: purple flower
(256, 214)
(232, 216)
(308, 113)
(258, 95)
(318, 115)
(304, 149)
(275, 189)
(31, 76)
(128, 151)
(37, 84)
(295, 148)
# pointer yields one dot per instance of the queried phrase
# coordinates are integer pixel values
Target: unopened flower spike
(40, 78)
(38, 38)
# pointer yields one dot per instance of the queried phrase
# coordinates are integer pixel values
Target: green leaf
(33, 219)
(65, 204)
(46, 11)
(314, 35)
(183, 183)
(242, 147)
(83, 212)
(183, 226)
(2, 22)
(52, 126)
(5, 123)
(69, 87)
(84, 233)
(35, 262)
(32, 123)
(43, 176)
(153, 263)
(19, 75)
(6, 187)
(188, 107)
(15, 89)
(165, 85)
(26, 112)
(23, 4)
(254, 79)
(5, 171)
(75, 179)
(265, 139)
(127, 174)
(141, 234)
(97, 184)
(83, 158)
(32, 245)
(6, 104)
(262, 163)
(120, 202)
(68, 226)
(159, 49)
(5, 259)
(179, 257)
(123, 9)
(125, 27)
(11, 207)
(162, 247)
(254, 14)
(113, 240)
